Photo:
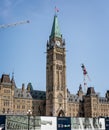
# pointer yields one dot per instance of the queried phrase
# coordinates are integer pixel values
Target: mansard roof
(91, 91)
(19, 93)
(74, 98)
(39, 95)
(103, 100)
(5, 78)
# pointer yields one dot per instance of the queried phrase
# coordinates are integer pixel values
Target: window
(3, 110)
(18, 106)
(23, 107)
(6, 91)
(6, 103)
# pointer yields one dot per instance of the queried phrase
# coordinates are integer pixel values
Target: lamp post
(29, 114)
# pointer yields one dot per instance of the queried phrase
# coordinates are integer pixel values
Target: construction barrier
(23, 122)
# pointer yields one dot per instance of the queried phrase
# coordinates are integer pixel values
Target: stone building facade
(56, 100)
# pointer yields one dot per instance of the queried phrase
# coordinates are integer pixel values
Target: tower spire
(12, 80)
(55, 32)
(12, 75)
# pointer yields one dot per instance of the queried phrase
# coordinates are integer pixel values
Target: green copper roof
(55, 32)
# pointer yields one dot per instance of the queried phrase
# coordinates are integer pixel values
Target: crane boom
(14, 24)
(85, 74)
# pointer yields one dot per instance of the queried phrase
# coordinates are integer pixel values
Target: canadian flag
(56, 9)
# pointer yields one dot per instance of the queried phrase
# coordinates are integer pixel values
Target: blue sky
(85, 27)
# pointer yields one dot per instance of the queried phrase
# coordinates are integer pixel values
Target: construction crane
(14, 24)
(86, 76)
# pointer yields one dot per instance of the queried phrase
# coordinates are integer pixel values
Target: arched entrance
(61, 113)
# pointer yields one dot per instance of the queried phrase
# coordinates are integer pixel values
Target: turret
(80, 91)
(29, 87)
(13, 81)
(23, 87)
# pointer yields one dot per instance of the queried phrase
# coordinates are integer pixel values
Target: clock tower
(56, 93)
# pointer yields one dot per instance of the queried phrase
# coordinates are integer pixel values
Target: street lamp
(29, 113)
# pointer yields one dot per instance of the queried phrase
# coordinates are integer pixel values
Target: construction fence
(23, 122)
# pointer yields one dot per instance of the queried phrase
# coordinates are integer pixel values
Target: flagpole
(55, 10)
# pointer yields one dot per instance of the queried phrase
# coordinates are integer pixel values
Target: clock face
(58, 43)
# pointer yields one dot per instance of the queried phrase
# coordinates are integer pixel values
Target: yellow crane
(14, 24)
